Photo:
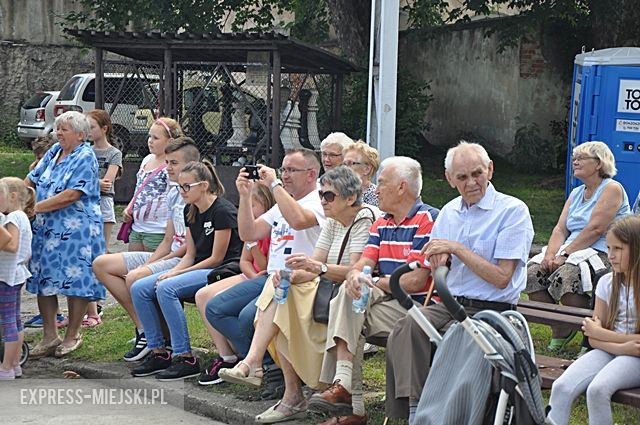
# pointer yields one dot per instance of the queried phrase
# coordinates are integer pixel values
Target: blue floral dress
(67, 240)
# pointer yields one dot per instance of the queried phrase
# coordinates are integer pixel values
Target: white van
(124, 94)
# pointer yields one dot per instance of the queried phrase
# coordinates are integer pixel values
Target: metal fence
(130, 95)
(226, 108)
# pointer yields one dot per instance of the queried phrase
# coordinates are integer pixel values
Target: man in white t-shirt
(294, 225)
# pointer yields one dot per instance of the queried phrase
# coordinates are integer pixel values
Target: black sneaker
(181, 368)
(273, 384)
(210, 375)
(139, 350)
(156, 362)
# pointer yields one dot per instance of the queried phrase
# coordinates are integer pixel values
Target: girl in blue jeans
(212, 239)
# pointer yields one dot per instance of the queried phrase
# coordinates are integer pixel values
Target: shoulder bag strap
(145, 181)
(346, 235)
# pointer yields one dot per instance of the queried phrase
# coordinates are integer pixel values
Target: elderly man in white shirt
(485, 236)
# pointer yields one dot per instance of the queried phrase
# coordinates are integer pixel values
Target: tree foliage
(175, 15)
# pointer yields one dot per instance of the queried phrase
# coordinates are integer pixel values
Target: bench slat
(551, 318)
(555, 308)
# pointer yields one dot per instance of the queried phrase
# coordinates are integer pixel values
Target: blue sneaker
(34, 322)
(61, 321)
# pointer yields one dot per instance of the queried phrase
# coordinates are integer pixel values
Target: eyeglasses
(288, 170)
(330, 154)
(187, 186)
(582, 158)
(351, 163)
(328, 196)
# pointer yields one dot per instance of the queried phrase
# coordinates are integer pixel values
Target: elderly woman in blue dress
(67, 233)
(577, 249)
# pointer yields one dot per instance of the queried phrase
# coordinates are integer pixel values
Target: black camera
(253, 172)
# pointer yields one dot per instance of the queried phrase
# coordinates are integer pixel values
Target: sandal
(272, 416)
(63, 350)
(91, 321)
(558, 344)
(236, 375)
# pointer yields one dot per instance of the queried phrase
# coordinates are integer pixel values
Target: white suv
(124, 94)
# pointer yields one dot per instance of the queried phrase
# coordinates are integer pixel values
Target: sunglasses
(187, 186)
(328, 196)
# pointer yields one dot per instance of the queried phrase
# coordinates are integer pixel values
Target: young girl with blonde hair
(17, 203)
(614, 333)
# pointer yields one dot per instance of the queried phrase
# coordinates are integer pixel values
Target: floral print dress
(67, 240)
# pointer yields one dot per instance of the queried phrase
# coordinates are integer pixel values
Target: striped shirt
(392, 245)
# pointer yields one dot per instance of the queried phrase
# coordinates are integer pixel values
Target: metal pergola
(285, 55)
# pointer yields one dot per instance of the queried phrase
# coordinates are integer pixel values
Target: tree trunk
(350, 20)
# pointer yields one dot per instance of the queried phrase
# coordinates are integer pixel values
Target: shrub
(531, 152)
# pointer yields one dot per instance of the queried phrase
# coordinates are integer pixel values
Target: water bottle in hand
(360, 305)
(282, 291)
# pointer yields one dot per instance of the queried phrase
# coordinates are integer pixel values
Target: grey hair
(77, 120)
(407, 169)
(345, 181)
(601, 151)
(337, 138)
(463, 145)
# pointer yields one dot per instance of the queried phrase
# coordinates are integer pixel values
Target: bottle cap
(366, 270)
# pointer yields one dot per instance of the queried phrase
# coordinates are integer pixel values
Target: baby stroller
(483, 371)
(24, 356)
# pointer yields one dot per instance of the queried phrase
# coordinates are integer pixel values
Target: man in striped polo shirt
(394, 239)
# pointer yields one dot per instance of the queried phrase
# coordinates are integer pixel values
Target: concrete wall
(480, 94)
(34, 55)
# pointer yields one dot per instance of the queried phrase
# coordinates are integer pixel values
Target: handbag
(327, 288)
(125, 229)
(227, 269)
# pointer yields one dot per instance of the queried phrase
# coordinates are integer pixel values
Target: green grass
(14, 162)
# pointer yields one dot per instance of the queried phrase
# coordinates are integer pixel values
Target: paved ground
(43, 396)
(28, 400)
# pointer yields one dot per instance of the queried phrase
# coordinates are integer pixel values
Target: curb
(223, 407)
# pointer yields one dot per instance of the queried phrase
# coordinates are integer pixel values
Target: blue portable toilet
(605, 106)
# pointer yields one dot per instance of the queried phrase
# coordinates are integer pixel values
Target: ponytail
(30, 204)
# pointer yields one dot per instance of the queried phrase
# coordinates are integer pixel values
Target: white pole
(385, 86)
(372, 49)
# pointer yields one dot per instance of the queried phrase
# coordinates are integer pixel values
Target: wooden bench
(551, 367)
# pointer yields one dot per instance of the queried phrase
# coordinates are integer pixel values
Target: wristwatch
(563, 253)
(250, 245)
(323, 269)
(276, 182)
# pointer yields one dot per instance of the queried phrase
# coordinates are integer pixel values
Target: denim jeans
(233, 311)
(168, 293)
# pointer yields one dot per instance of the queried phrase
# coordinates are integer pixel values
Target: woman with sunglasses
(212, 239)
(290, 328)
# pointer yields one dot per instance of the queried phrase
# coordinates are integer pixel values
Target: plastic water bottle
(360, 305)
(282, 291)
